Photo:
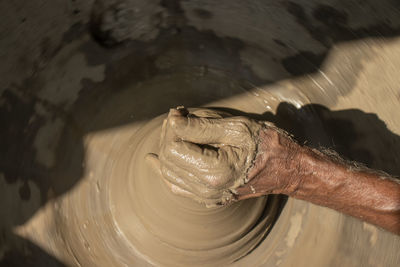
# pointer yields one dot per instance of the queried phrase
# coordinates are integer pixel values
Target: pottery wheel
(130, 209)
(86, 84)
(121, 213)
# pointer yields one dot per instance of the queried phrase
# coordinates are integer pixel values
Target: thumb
(153, 161)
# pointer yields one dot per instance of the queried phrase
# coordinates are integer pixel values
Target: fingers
(203, 154)
(204, 126)
(201, 198)
(181, 192)
(167, 134)
(187, 181)
(236, 131)
(209, 113)
(185, 187)
(198, 130)
(200, 127)
(189, 155)
(214, 168)
(177, 186)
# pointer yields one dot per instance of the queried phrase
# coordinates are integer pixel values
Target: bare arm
(323, 179)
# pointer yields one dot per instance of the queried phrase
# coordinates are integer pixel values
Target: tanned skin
(285, 167)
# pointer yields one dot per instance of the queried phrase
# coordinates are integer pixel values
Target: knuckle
(242, 126)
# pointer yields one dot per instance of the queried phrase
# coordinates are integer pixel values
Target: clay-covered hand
(212, 157)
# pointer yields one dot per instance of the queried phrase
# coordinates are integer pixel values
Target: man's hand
(215, 158)
(205, 155)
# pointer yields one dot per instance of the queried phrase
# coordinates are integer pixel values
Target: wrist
(277, 167)
(318, 173)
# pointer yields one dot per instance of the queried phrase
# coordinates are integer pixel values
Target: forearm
(356, 191)
(326, 180)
